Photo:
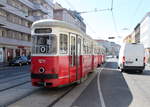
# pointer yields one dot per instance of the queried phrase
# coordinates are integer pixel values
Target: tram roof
(55, 23)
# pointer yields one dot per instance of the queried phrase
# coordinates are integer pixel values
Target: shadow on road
(114, 87)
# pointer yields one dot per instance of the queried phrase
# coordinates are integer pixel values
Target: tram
(62, 54)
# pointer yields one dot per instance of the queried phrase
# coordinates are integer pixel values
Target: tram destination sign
(43, 30)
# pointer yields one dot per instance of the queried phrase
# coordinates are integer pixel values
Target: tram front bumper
(44, 76)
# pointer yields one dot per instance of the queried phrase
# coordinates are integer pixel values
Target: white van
(131, 57)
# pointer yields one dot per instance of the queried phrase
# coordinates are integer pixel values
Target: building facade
(111, 47)
(128, 39)
(16, 18)
(69, 16)
(145, 35)
(137, 33)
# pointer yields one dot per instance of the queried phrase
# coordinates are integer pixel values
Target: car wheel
(20, 64)
(122, 70)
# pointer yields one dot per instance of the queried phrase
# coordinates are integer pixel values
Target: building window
(2, 13)
(18, 5)
(2, 32)
(63, 43)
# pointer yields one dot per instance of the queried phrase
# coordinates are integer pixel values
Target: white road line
(99, 90)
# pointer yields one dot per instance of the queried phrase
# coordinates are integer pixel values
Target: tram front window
(44, 44)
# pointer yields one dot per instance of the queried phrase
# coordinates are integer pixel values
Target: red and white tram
(61, 54)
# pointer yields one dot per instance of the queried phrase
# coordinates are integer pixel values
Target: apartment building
(16, 18)
(137, 33)
(145, 35)
(111, 47)
(69, 16)
(128, 39)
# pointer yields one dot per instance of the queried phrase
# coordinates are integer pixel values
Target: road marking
(99, 90)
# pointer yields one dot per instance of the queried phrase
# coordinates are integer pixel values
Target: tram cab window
(63, 43)
(44, 44)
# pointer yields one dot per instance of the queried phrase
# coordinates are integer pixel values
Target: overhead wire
(136, 11)
(69, 4)
(113, 17)
(109, 9)
(84, 19)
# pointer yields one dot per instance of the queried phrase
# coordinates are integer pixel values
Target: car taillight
(123, 59)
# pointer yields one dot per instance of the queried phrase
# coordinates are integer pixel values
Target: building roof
(147, 14)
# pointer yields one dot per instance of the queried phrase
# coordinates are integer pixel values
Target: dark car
(29, 59)
(20, 60)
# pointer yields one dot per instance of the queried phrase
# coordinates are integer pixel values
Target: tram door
(72, 58)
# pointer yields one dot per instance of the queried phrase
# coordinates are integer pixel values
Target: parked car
(132, 57)
(20, 60)
(29, 59)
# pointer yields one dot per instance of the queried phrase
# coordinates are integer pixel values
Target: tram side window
(52, 44)
(63, 44)
(73, 51)
(85, 47)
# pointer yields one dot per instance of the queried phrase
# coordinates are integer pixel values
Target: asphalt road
(107, 87)
(118, 89)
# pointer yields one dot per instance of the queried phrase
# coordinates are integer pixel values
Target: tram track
(60, 97)
(52, 97)
(12, 75)
(10, 87)
(43, 97)
(14, 70)
(13, 78)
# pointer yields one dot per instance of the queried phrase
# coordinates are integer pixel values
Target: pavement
(147, 67)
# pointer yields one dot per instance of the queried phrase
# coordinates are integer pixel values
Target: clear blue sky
(100, 25)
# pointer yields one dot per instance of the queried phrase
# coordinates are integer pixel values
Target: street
(106, 87)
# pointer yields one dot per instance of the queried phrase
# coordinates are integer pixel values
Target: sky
(118, 23)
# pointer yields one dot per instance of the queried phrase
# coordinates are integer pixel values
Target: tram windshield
(44, 44)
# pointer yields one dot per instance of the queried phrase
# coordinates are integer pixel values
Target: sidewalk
(147, 67)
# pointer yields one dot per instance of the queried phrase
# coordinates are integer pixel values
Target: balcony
(17, 12)
(12, 26)
(40, 7)
(27, 3)
(9, 41)
(49, 2)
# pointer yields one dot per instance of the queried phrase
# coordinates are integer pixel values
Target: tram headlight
(41, 70)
